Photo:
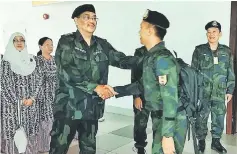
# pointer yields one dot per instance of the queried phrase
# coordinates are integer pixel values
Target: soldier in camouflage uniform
(160, 80)
(82, 61)
(216, 62)
(141, 114)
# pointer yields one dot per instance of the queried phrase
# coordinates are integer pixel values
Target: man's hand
(168, 145)
(138, 103)
(228, 97)
(105, 91)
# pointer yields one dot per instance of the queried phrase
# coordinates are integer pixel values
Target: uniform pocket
(206, 61)
(224, 59)
(80, 60)
(100, 57)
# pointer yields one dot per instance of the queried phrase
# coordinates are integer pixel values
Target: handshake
(105, 91)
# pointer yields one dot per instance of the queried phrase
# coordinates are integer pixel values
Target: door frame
(231, 106)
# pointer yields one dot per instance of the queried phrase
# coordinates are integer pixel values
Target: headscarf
(20, 61)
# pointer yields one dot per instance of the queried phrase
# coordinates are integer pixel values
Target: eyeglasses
(87, 18)
(18, 41)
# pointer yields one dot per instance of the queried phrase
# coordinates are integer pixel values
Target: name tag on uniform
(162, 80)
(215, 60)
(84, 51)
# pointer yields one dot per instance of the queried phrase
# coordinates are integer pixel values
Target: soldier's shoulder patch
(163, 79)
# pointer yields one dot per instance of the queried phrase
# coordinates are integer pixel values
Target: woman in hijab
(21, 82)
(47, 94)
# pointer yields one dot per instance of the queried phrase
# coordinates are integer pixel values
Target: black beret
(83, 8)
(156, 18)
(213, 24)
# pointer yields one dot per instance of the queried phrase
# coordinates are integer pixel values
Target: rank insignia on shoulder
(162, 80)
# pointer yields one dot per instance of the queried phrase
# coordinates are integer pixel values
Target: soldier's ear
(75, 20)
(220, 34)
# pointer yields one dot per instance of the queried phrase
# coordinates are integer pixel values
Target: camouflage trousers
(140, 125)
(64, 130)
(180, 133)
(218, 111)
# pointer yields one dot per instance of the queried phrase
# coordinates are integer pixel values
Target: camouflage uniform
(168, 117)
(140, 117)
(219, 80)
(77, 107)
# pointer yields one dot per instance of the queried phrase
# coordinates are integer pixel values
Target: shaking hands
(105, 91)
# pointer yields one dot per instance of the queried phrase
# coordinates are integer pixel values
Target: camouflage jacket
(80, 69)
(160, 80)
(219, 78)
(136, 72)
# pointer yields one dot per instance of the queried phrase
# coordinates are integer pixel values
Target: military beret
(156, 18)
(83, 8)
(213, 24)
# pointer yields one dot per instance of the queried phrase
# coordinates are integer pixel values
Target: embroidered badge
(214, 23)
(145, 16)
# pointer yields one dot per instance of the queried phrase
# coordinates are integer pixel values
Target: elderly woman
(47, 94)
(21, 82)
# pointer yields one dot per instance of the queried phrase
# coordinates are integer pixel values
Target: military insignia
(214, 23)
(145, 16)
(162, 80)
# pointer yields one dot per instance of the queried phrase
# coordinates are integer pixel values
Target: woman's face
(19, 43)
(47, 47)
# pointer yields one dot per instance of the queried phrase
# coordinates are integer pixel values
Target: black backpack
(190, 93)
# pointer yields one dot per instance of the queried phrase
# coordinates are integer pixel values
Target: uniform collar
(218, 47)
(80, 38)
(158, 46)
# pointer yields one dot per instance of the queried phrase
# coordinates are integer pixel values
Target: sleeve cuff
(91, 87)
(229, 91)
(168, 127)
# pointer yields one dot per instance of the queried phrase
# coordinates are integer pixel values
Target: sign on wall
(39, 3)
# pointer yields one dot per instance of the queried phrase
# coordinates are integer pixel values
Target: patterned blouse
(47, 94)
(14, 88)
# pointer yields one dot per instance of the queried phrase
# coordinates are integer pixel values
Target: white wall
(119, 23)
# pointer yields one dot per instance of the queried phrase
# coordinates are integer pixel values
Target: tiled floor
(115, 136)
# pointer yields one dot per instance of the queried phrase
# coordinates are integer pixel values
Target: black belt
(159, 113)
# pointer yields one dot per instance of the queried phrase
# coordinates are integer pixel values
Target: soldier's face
(213, 35)
(144, 32)
(87, 22)
(19, 43)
